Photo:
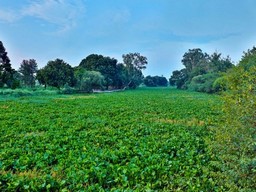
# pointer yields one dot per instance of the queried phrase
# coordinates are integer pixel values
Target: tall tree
(6, 71)
(196, 62)
(105, 65)
(134, 63)
(28, 69)
(56, 73)
(179, 78)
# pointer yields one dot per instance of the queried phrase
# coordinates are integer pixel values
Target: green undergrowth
(140, 140)
(11, 94)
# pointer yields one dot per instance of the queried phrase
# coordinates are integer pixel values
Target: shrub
(235, 141)
(203, 83)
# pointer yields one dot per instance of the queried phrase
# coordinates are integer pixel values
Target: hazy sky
(161, 30)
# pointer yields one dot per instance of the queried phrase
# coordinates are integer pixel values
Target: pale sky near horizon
(161, 30)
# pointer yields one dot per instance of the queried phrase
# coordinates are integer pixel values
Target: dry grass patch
(191, 122)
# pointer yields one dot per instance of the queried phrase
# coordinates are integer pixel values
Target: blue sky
(161, 30)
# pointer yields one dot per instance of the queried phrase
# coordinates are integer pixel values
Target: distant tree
(6, 71)
(134, 63)
(155, 81)
(201, 71)
(91, 62)
(56, 73)
(219, 64)
(42, 77)
(121, 76)
(161, 81)
(28, 69)
(178, 78)
(105, 65)
(149, 81)
(193, 59)
(86, 81)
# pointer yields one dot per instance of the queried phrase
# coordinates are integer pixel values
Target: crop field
(140, 140)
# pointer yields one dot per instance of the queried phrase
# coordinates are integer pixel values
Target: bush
(203, 83)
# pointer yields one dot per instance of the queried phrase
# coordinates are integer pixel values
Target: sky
(161, 30)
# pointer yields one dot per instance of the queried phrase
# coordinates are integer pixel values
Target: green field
(140, 140)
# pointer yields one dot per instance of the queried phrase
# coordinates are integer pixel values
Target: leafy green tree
(134, 64)
(28, 69)
(122, 76)
(219, 64)
(41, 77)
(155, 81)
(201, 71)
(178, 78)
(149, 81)
(6, 71)
(203, 83)
(56, 73)
(105, 65)
(86, 81)
(91, 62)
(194, 59)
(161, 81)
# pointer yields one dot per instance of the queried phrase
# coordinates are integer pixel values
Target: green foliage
(178, 78)
(86, 81)
(204, 83)
(134, 64)
(142, 140)
(155, 81)
(28, 69)
(105, 65)
(128, 74)
(220, 84)
(56, 73)
(235, 141)
(8, 94)
(201, 71)
(193, 58)
(6, 71)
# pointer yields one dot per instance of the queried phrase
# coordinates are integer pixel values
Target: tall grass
(7, 93)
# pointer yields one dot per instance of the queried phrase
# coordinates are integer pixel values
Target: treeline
(93, 72)
(234, 142)
(202, 72)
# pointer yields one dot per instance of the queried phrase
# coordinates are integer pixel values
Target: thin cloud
(8, 16)
(62, 13)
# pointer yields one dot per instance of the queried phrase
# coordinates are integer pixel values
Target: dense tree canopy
(105, 65)
(155, 81)
(201, 71)
(56, 73)
(126, 74)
